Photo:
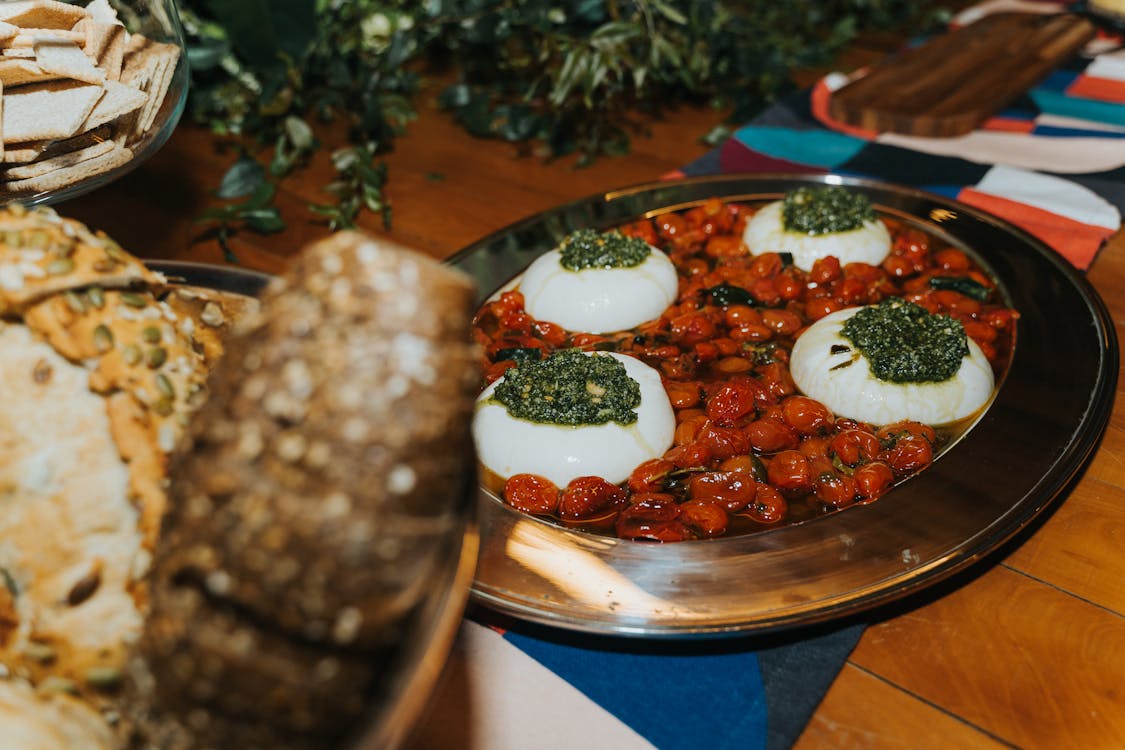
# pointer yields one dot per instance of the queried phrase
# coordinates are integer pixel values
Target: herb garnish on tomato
(588, 248)
(571, 388)
(825, 210)
(906, 343)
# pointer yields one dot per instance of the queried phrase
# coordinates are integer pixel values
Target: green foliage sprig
(558, 76)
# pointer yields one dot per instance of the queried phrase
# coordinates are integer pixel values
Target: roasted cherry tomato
(531, 494)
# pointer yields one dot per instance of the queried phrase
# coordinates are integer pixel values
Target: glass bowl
(90, 92)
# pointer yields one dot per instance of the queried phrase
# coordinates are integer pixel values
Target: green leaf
(262, 196)
(218, 213)
(206, 54)
(299, 133)
(455, 95)
(664, 53)
(726, 294)
(588, 11)
(516, 122)
(243, 178)
(615, 33)
(224, 243)
(670, 12)
(264, 220)
(967, 286)
(574, 67)
(716, 135)
(260, 29)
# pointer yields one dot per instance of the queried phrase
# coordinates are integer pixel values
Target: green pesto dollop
(906, 343)
(571, 388)
(588, 248)
(824, 210)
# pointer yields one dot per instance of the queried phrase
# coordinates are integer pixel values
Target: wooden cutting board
(952, 83)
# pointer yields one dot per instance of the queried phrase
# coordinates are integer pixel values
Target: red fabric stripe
(1008, 125)
(735, 156)
(1077, 242)
(1102, 89)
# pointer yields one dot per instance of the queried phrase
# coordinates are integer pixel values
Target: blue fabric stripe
(818, 148)
(1058, 80)
(676, 701)
(1015, 113)
(1054, 131)
(1072, 106)
(948, 191)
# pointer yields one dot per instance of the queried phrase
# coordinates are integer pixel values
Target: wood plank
(1025, 662)
(1107, 275)
(487, 186)
(862, 712)
(1108, 464)
(956, 80)
(1079, 548)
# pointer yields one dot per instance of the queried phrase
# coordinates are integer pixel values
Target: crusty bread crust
(323, 482)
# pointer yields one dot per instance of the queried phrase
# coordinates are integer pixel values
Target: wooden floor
(1026, 650)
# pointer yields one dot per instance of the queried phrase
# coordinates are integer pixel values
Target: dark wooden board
(952, 83)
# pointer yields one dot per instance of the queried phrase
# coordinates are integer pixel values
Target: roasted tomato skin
(805, 415)
(872, 480)
(733, 401)
(532, 494)
(705, 517)
(769, 506)
(790, 471)
(652, 520)
(732, 490)
(650, 476)
(908, 455)
(589, 497)
(853, 446)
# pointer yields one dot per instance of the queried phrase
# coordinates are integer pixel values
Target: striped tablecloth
(1052, 163)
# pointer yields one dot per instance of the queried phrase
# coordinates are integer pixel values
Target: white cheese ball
(852, 390)
(765, 232)
(599, 300)
(508, 445)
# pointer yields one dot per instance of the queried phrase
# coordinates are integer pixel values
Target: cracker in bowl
(69, 75)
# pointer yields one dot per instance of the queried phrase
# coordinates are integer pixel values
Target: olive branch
(570, 77)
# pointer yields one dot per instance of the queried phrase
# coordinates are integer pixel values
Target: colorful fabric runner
(1054, 164)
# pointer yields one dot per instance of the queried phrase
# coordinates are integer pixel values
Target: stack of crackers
(78, 92)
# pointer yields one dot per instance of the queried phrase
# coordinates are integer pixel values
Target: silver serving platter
(1020, 457)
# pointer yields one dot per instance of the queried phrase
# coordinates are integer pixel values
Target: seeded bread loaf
(99, 376)
(321, 487)
(30, 720)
